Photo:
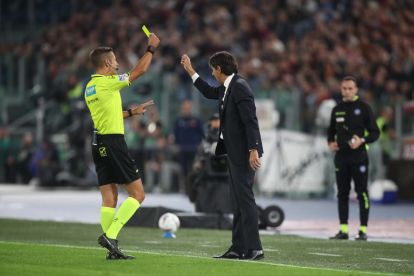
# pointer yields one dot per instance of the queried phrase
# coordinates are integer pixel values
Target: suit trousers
(245, 232)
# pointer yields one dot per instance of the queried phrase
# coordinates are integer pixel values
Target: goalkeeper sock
(107, 215)
(125, 212)
(344, 228)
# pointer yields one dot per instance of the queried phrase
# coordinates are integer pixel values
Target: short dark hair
(226, 61)
(350, 78)
(215, 116)
(97, 54)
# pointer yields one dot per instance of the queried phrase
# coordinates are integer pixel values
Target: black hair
(215, 116)
(350, 78)
(226, 61)
(96, 56)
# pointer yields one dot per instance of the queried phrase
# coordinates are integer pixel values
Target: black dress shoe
(361, 236)
(253, 255)
(229, 254)
(340, 236)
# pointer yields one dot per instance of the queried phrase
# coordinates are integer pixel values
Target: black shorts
(113, 163)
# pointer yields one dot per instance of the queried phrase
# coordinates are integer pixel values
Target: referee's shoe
(114, 256)
(112, 246)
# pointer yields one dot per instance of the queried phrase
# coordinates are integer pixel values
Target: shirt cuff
(195, 77)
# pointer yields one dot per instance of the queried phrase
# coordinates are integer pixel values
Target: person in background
(352, 127)
(387, 133)
(208, 183)
(188, 133)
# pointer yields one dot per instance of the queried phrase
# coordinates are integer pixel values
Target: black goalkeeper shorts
(113, 162)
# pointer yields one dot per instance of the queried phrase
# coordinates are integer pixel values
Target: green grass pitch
(55, 248)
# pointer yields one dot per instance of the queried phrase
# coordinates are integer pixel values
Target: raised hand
(153, 40)
(186, 63)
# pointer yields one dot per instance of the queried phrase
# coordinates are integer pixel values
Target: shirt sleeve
(117, 82)
(194, 77)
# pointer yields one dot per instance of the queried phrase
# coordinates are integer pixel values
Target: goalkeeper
(114, 165)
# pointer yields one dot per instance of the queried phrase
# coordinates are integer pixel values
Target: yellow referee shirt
(104, 102)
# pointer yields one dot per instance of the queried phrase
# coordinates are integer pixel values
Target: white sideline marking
(196, 257)
(391, 260)
(153, 242)
(270, 250)
(209, 245)
(324, 254)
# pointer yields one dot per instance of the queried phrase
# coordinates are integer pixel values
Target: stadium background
(293, 53)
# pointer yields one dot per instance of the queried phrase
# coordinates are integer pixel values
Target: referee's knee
(139, 196)
(136, 190)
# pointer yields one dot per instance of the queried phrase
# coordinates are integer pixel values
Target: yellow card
(146, 31)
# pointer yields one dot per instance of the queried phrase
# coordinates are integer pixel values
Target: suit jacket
(238, 121)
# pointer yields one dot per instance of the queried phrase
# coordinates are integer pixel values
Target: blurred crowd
(293, 52)
(165, 159)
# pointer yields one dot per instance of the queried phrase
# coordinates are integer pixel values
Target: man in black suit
(239, 138)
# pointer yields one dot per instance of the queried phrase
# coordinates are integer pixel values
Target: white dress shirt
(226, 85)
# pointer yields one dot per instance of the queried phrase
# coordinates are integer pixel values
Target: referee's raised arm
(145, 61)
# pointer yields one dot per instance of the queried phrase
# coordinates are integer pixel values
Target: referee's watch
(130, 112)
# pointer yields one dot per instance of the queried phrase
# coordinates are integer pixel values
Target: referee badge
(363, 169)
(90, 91)
(102, 151)
(357, 111)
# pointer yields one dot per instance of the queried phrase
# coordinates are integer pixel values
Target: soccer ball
(169, 222)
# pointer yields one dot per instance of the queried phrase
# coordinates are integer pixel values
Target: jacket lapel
(233, 80)
(221, 95)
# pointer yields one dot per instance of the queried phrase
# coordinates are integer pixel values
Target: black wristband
(151, 49)
(130, 112)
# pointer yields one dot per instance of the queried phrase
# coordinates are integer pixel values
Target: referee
(114, 165)
(351, 128)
